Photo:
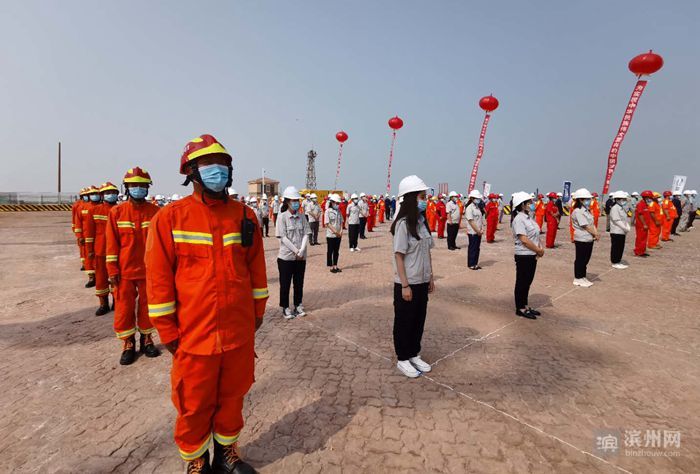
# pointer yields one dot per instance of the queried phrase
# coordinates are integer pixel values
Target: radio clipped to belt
(248, 230)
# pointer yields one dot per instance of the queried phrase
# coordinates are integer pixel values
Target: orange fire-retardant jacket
(83, 218)
(204, 288)
(670, 209)
(96, 228)
(127, 229)
(75, 220)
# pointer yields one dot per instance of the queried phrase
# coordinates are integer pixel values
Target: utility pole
(59, 172)
(263, 182)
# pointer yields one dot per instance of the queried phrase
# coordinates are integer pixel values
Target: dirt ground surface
(505, 395)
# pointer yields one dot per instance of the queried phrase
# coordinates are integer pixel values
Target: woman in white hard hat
(475, 229)
(333, 221)
(293, 231)
(354, 215)
(454, 216)
(413, 275)
(619, 227)
(585, 233)
(526, 235)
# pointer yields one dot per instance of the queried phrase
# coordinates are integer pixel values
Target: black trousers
(473, 250)
(452, 230)
(314, 232)
(291, 271)
(353, 233)
(333, 251)
(617, 247)
(387, 212)
(583, 256)
(409, 320)
(525, 267)
(691, 218)
(674, 226)
(363, 225)
(266, 226)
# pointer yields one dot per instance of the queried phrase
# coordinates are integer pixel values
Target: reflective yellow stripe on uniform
(226, 440)
(102, 292)
(195, 454)
(128, 224)
(89, 239)
(127, 333)
(233, 238)
(260, 293)
(161, 309)
(77, 230)
(145, 224)
(83, 211)
(187, 237)
(112, 258)
(99, 217)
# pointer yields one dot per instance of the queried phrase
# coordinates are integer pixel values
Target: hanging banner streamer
(479, 153)
(566, 194)
(391, 158)
(621, 132)
(337, 170)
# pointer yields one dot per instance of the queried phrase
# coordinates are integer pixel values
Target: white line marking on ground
(480, 339)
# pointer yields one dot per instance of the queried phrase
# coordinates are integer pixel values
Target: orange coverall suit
(539, 213)
(371, 218)
(76, 209)
(83, 222)
(97, 245)
(206, 290)
(595, 210)
(441, 211)
(654, 230)
(669, 209)
(640, 243)
(461, 211)
(430, 215)
(491, 221)
(382, 211)
(127, 229)
(551, 211)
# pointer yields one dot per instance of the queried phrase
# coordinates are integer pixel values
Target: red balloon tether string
(479, 152)
(337, 170)
(391, 158)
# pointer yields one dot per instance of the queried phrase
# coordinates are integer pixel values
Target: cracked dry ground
(507, 395)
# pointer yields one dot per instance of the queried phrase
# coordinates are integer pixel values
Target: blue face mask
(532, 207)
(111, 198)
(294, 205)
(138, 193)
(95, 197)
(477, 201)
(422, 205)
(214, 177)
(586, 203)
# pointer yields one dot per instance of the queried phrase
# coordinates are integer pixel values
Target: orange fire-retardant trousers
(552, 225)
(127, 320)
(491, 225)
(654, 234)
(208, 393)
(89, 263)
(666, 229)
(81, 249)
(640, 244)
(101, 277)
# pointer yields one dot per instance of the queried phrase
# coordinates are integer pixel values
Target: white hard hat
(583, 193)
(687, 192)
(277, 198)
(693, 192)
(676, 193)
(313, 196)
(253, 199)
(307, 195)
(452, 194)
(334, 197)
(411, 184)
(290, 192)
(559, 194)
(159, 197)
(354, 196)
(635, 193)
(362, 195)
(619, 195)
(532, 195)
(500, 195)
(232, 191)
(393, 197)
(264, 196)
(520, 197)
(476, 194)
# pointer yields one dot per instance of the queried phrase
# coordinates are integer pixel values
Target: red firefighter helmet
(648, 194)
(200, 146)
(108, 186)
(540, 196)
(667, 193)
(552, 195)
(137, 175)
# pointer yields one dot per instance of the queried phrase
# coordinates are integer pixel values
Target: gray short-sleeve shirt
(523, 225)
(353, 213)
(416, 252)
(473, 213)
(294, 227)
(580, 219)
(334, 218)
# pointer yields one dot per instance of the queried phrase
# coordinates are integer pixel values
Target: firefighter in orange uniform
(552, 216)
(431, 213)
(642, 223)
(539, 211)
(441, 214)
(491, 218)
(127, 228)
(93, 199)
(460, 203)
(76, 225)
(95, 234)
(595, 209)
(670, 213)
(207, 288)
(655, 222)
(371, 218)
(381, 209)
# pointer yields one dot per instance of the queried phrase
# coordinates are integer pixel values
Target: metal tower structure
(311, 170)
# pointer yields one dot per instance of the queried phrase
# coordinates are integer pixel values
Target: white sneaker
(582, 282)
(300, 311)
(620, 266)
(407, 369)
(590, 283)
(352, 250)
(288, 313)
(420, 364)
(357, 249)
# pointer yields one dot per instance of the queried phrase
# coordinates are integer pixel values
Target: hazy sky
(125, 83)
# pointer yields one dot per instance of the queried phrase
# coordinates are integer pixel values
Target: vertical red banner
(479, 153)
(621, 132)
(391, 158)
(337, 170)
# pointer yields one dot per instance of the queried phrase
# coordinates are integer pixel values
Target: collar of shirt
(208, 201)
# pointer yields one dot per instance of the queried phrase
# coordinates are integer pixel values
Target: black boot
(199, 465)
(128, 352)
(147, 347)
(228, 461)
(104, 306)
(91, 282)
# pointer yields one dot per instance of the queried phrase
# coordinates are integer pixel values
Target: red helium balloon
(488, 103)
(341, 136)
(395, 123)
(645, 64)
